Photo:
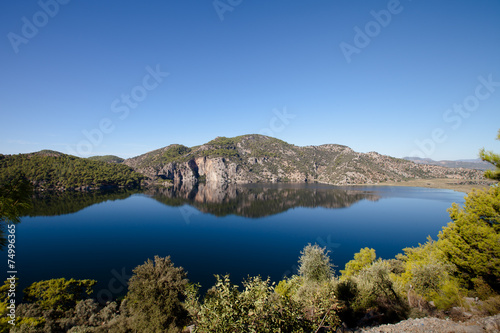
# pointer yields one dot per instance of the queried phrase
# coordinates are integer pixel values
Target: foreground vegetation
(436, 276)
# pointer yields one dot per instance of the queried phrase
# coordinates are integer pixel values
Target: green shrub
(314, 264)
(155, 295)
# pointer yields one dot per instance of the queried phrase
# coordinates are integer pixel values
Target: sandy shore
(459, 185)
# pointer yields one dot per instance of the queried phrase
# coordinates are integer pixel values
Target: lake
(250, 230)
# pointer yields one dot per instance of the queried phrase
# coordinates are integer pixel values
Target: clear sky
(401, 78)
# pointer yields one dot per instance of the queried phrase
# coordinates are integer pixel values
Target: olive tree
(156, 292)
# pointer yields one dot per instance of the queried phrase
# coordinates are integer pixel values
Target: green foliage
(156, 292)
(378, 291)
(221, 147)
(448, 295)
(175, 153)
(364, 258)
(256, 309)
(15, 197)
(424, 270)
(65, 171)
(318, 302)
(492, 158)
(220, 310)
(314, 264)
(288, 287)
(107, 158)
(472, 241)
(58, 294)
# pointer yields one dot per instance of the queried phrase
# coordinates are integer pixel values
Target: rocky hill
(261, 159)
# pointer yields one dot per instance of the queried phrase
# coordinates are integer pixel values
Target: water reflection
(62, 203)
(258, 200)
(248, 201)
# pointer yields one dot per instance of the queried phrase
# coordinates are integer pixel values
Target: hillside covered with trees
(48, 170)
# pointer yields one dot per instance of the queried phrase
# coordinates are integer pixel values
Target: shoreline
(459, 185)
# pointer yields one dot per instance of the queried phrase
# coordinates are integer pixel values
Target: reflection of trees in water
(257, 201)
(248, 201)
(15, 201)
(60, 203)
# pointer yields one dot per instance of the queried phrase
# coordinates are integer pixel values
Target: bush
(377, 292)
(314, 264)
(156, 292)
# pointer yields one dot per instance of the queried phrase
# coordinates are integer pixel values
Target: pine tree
(494, 159)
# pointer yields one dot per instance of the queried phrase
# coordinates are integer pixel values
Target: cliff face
(261, 159)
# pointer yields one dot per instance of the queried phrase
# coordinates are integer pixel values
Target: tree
(364, 258)
(15, 197)
(492, 158)
(471, 241)
(156, 292)
(314, 264)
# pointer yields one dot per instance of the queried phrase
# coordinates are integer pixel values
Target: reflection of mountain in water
(258, 200)
(249, 201)
(60, 203)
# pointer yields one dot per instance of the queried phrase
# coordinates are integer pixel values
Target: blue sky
(397, 77)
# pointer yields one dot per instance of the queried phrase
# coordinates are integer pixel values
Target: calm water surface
(241, 231)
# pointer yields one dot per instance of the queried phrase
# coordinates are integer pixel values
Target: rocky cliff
(261, 159)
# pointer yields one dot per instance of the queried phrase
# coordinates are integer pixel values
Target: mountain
(477, 164)
(51, 170)
(262, 159)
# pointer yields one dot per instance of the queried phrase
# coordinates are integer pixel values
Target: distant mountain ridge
(466, 163)
(262, 159)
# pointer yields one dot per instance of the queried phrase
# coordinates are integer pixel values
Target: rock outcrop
(261, 159)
